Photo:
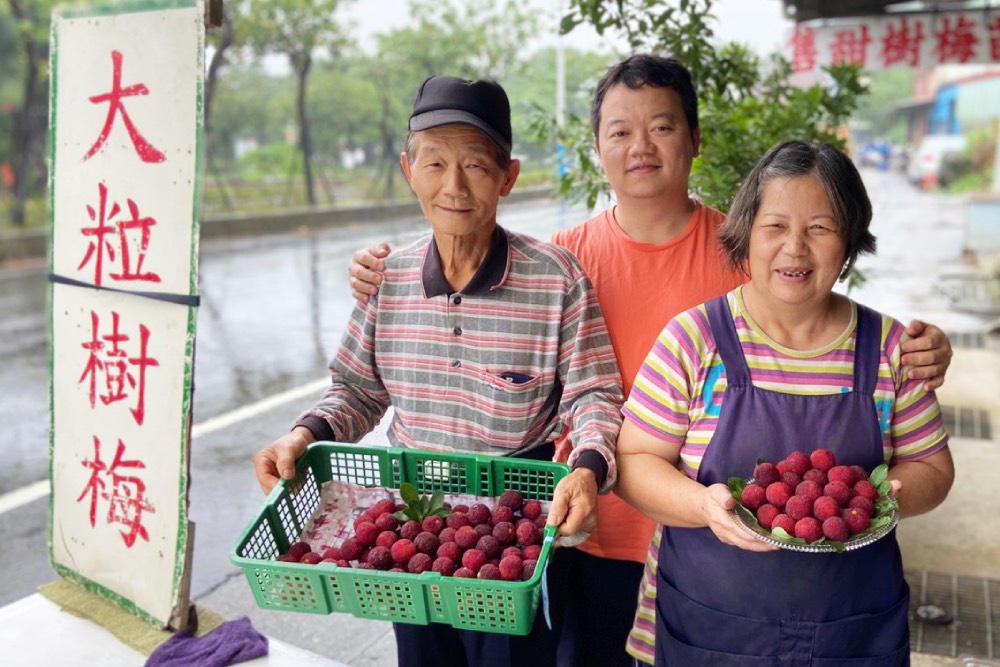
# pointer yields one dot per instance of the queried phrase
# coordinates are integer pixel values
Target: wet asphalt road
(273, 310)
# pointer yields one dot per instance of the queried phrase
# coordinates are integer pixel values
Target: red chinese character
(126, 499)
(958, 43)
(146, 151)
(902, 44)
(803, 49)
(101, 245)
(994, 29)
(850, 47)
(108, 357)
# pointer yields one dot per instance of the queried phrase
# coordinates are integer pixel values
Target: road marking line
(40, 489)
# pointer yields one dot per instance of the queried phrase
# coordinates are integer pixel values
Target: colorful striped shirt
(501, 367)
(679, 393)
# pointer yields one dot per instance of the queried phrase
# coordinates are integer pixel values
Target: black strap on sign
(192, 300)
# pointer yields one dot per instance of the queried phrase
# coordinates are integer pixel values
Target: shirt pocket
(512, 381)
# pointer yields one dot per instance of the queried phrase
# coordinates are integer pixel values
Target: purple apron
(719, 605)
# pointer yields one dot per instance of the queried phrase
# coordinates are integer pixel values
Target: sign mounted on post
(125, 105)
(905, 40)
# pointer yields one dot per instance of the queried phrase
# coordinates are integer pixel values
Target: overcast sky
(758, 23)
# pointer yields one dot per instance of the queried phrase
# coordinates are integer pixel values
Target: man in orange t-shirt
(650, 256)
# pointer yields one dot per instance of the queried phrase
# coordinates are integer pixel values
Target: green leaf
(781, 534)
(437, 500)
(736, 485)
(837, 546)
(409, 493)
(878, 475)
(401, 515)
(884, 488)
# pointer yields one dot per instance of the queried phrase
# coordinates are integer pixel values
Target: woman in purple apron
(827, 376)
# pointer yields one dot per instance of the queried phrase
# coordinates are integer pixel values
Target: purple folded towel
(232, 642)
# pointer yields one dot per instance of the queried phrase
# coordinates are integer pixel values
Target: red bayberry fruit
(298, 550)
(473, 559)
(510, 568)
(479, 513)
(380, 558)
(798, 462)
(785, 522)
(822, 459)
(446, 535)
(501, 514)
(351, 549)
(791, 479)
(527, 534)
(512, 499)
(387, 521)
(841, 474)
(504, 532)
(464, 573)
(753, 497)
(286, 558)
(410, 529)
(384, 506)
(766, 474)
(444, 566)
(420, 562)
(862, 503)
(824, 507)
(511, 551)
(815, 475)
(531, 509)
(386, 538)
(838, 491)
(433, 524)
(333, 553)
(532, 552)
(366, 532)
(483, 529)
(403, 550)
(489, 571)
(865, 489)
(766, 514)
(528, 569)
(835, 528)
(457, 519)
(798, 507)
(809, 490)
(451, 550)
(367, 515)
(859, 473)
(857, 519)
(310, 558)
(466, 537)
(489, 545)
(809, 529)
(426, 542)
(778, 494)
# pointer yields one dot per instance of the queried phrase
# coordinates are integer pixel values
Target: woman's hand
(277, 461)
(717, 501)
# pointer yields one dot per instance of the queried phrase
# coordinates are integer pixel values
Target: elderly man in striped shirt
(482, 340)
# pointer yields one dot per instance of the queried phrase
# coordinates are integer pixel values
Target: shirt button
(455, 363)
(458, 331)
(457, 300)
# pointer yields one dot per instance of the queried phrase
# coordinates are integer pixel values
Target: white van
(924, 166)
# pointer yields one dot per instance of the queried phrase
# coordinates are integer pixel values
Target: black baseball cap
(443, 100)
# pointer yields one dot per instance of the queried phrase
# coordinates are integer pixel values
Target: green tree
(745, 106)
(29, 110)
(469, 39)
(886, 90)
(299, 29)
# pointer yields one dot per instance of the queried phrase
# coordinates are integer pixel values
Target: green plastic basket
(471, 604)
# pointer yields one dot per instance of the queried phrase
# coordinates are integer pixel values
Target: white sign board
(126, 91)
(908, 40)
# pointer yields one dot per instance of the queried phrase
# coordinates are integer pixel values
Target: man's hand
(365, 272)
(277, 460)
(574, 503)
(928, 353)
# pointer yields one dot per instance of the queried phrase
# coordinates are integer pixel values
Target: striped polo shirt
(678, 396)
(500, 367)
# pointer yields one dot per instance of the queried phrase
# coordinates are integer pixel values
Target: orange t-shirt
(641, 287)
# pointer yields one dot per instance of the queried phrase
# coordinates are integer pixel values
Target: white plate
(748, 521)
